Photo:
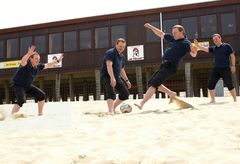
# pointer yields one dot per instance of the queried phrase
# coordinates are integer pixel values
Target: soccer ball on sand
(125, 108)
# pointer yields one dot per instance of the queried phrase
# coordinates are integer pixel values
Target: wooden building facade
(84, 41)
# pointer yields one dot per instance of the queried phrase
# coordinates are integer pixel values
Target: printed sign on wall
(135, 53)
(9, 64)
(203, 44)
(52, 57)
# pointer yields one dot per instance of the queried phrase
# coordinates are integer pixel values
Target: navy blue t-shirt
(176, 49)
(118, 63)
(25, 75)
(221, 55)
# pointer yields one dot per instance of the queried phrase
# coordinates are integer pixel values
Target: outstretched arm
(53, 63)
(156, 31)
(31, 51)
(199, 46)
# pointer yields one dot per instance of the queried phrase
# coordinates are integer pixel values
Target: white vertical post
(161, 28)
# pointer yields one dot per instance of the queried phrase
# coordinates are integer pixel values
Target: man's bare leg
(212, 95)
(40, 107)
(151, 91)
(110, 104)
(164, 89)
(147, 96)
(116, 103)
(15, 109)
(234, 94)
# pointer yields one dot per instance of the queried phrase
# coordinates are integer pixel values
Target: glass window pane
(55, 42)
(12, 48)
(228, 23)
(168, 24)
(117, 32)
(101, 37)
(208, 25)
(26, 42)
(190, 25)
(1, 50)
(40, 42)
(151, 37)
(70, 41)
(85, 39)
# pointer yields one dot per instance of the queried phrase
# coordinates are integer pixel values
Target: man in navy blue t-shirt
(178, 47)
(222, 66)
(113, 74)
(23, 78)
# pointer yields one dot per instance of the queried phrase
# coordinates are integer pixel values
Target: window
(12, 48)
(70, 41)
(208, 25)
(26, 42)
(117, 32)
(101, 37)
(190, 25)
(1, 50)
(151, 37)
(168, 24)
(55, 42)
(40, 42)
(85, 39)
(228, 23)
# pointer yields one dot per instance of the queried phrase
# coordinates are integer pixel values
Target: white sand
(158, 134)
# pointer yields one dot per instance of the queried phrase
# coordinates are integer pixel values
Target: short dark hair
(180, 28)
(120, 40)
(218, 35)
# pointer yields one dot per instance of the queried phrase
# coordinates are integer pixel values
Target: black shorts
(225, 74)
(110, 92)
(21, 92)
(165, 71)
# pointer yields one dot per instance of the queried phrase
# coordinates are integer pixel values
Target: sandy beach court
(160, 133)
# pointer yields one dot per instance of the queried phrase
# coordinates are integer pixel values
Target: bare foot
(212, 102)
(116, 112)
(172, 94)
(139, 106)
(110, 113)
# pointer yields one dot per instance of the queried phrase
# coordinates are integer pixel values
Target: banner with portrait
(135, 53)
(56, 57)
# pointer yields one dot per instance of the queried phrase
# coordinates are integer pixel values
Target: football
(125, 108)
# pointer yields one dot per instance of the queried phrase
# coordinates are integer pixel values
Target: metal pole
(161, 28)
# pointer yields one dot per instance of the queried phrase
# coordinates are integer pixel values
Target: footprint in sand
(80, 159)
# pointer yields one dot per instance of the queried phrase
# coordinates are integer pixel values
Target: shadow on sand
(217, 103)
(159, 111)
